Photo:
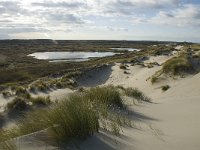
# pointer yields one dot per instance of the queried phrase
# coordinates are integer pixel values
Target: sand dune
(172, 122)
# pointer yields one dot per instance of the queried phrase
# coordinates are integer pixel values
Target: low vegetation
(6, 94)
(107, 96)
(18, 104)
(79, 116)
(154, 79)
(137, 94)
(40, 100)
(177, 65)
(122, 66)
(165, 88)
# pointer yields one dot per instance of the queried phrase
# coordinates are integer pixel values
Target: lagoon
(69, 56)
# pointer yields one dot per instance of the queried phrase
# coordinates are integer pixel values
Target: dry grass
(165, 88)
(40, 100)
(122, 66)
(137, 94)
(18, 104)
(76, 117)
(177, 65)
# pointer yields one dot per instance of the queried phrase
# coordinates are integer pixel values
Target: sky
(171, 20)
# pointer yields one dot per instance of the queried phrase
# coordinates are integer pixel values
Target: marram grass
(76, 117)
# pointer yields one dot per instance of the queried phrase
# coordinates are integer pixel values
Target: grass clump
(6, 94)
(32, 88)
(42, 87)
(73, 118)
(40, 100)
(137, 94)
(107, 96)
(154, 79)
(17, 104)
(177, 65)
(165, 88)
(76, 117)
(20, 90)
(122, 66)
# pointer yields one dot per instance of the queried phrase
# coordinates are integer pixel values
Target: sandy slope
(170, 123)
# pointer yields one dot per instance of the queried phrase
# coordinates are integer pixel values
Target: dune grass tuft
(17, 104)
(63, 122)
(137, 94)
(165, 88)
(122, 66)
(177, 65)
(107, 96)
(40, 100)
(6, 94)
(76, 117)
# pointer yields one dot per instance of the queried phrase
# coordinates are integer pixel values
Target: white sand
(171, 123)
(56, 94)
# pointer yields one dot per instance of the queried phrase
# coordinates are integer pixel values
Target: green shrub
(165, 87)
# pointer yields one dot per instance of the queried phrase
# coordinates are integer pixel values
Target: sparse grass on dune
(122, 66)
(108, 96)
(63, 122)
(6, 94)
(22, 92)
(48, 84)
(137, 94)
(76, 117)
(177, 65)
(17, 104)
(165, 88)
(40, 100)
(22, 103)
(154, 79)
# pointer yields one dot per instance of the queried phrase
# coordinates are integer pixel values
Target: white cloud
(187, 15)
(53, 16)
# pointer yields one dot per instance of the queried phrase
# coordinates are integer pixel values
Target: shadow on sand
(95, 76)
